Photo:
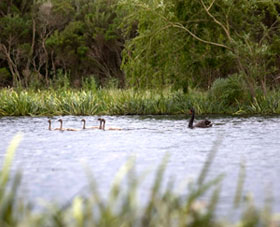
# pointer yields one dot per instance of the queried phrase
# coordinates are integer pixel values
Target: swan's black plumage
(201, 124)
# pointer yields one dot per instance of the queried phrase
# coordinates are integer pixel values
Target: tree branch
(211, 5)
(215, 20)
(178, 25)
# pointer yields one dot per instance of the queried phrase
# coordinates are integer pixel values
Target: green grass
(121, 206)
(128, 102)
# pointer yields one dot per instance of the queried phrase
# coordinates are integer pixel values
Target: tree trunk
(12, 65)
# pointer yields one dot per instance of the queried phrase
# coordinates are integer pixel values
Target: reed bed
(127, 102)
(121, 207)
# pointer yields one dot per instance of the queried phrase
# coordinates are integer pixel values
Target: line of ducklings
(101, 126)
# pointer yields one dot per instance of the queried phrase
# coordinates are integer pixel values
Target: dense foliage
(185, 42)
(42, 39)
(140, 43)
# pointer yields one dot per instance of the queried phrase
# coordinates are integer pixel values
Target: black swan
(103, 126)
(93, 127)
(201, 124)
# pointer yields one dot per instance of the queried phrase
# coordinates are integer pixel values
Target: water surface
(53, 163)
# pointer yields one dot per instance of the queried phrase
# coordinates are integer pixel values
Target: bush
(230, 91)
(61, 81)
(89, 84)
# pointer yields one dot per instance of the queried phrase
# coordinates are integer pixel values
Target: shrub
(230, 91)
(89, 84)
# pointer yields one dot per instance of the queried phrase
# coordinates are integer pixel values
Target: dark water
(53, 162)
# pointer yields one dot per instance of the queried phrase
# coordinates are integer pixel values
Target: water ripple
(54, 162)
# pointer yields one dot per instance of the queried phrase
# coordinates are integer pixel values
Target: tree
(14, 46)
(16, 33)
(195, 42)
(91, 44)
(79, 37)
(51, 17)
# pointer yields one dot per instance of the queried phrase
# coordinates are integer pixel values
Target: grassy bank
(130, 102)
(121, 207)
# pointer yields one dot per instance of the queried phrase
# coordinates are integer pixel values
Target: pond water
(53, 162)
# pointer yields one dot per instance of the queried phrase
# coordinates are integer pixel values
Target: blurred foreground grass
(164, 207)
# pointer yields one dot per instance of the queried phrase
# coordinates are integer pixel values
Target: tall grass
(121, 207)
(128, 102)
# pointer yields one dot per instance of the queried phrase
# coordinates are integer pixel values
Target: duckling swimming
(93, 127)
(66, 129)
(50, 126)
(103, 126)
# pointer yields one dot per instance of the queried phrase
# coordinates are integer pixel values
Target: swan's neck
(50, 126)
(84, 124)
(100, 124)
(103, 127)
(60, 128)
(191, 120)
